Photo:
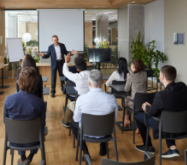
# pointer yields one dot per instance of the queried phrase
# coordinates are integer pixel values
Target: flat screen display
(99, 55)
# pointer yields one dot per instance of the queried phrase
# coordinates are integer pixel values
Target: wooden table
(45, 71)
(2, 66)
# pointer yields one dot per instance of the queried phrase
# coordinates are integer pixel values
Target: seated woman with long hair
(121, 73)
(136, 82)
(28, 61)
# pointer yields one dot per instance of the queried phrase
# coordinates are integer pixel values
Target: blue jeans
(26, 145)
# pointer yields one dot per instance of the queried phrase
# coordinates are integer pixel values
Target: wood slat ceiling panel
(88, 4)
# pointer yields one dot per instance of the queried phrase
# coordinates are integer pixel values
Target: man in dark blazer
(173, 98)
(57, 52)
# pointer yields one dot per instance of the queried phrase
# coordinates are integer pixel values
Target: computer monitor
(103, 55)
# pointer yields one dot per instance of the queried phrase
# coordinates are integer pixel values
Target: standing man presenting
(57, 52)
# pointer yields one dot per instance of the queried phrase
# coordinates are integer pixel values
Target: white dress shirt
(58, 52)
(95, 102)
(115, 76)
(80, 79)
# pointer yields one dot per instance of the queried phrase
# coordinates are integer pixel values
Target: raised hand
(68, 58)
(73, 51)
(42, 54)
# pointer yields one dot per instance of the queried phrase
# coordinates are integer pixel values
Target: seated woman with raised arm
(136, 82)
(121, 73)
(28, 61)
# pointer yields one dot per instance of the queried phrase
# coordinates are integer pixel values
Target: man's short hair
(54, 36)
(96, 77)
(80, 63)
(28, 79)
(169, 72)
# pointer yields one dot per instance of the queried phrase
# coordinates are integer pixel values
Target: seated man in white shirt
(80, 79)
(95, 102)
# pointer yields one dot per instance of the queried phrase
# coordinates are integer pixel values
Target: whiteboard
(67, 24)
(14, 49)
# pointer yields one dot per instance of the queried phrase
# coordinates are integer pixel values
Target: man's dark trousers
(143, 129)
(59, 66)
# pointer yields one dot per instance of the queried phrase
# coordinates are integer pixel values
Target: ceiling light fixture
(133, 2)
(60, 6)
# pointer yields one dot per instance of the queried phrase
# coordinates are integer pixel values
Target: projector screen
(67, 24)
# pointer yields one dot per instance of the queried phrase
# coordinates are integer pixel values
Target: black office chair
(69, 83)
(150, 161)
(139, 99)
(93, 125)
(171, 122)
(23, 132)
(119, 95)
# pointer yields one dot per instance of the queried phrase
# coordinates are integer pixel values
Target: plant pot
(150, 72)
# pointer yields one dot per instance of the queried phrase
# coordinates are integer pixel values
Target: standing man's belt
(58, 60)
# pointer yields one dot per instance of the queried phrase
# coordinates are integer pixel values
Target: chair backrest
(141, 98)
(150, 73)
(70, 83)
(94, 125)
(114, 82)
(23, 131)
(150, 161)
(174, 122)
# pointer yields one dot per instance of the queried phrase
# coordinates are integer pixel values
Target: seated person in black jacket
(28, 61)
(173, 98)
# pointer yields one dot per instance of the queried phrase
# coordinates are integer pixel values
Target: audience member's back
(175, 97)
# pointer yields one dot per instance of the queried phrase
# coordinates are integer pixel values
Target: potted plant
(147, 54)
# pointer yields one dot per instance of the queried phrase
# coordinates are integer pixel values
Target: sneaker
(67, 125)
(171, 154)
(142, 149)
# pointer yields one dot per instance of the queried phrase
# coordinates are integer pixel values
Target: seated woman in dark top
(25, 105)
(28, 61)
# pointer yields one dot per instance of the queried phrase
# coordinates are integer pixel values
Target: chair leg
(123, 114)
(77, 150)
(185, 156)
(42, 149)
(146, 145)
(5, 152)
(115, 148)
(12, 157)
(66, 103)
(133, 130)
(107, 150)
(70, 125)
(160, 150)
(80, 150)
(73, 141)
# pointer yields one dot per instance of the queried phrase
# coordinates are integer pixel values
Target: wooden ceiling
(87, 4)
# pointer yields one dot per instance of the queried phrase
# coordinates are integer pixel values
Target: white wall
(154, 24)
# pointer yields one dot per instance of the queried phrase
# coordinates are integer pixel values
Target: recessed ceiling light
(17, 6)
(102, 6)
(133, 2)
(95, 6)
(60, 6)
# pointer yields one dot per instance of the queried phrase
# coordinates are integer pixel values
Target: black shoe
(52, 95)
(67, 125)
(171, 154)
(102, 152)
(142, 149)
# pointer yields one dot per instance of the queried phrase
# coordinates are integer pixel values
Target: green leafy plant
(23, 44)
(147, 54)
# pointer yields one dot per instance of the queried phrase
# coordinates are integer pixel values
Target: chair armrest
(87, 160)
(128, 98)
(155, 118)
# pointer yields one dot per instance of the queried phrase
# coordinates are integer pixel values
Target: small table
(121, 88)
